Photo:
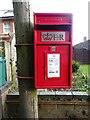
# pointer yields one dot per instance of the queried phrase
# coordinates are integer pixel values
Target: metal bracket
(25, 77)
(17, 45)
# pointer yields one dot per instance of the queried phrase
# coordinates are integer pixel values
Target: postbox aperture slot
(54, 27)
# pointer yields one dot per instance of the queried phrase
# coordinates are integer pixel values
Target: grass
(84, 69)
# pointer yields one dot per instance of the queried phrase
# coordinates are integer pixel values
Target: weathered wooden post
(25, 65)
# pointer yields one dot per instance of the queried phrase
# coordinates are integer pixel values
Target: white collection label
(53, 65)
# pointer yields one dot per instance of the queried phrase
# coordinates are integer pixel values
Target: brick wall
(6, 21)
(54, 106)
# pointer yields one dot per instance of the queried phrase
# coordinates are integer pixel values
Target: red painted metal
(53, 18)
(53, 42)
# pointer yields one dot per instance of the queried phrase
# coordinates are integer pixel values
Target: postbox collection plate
(52, 36)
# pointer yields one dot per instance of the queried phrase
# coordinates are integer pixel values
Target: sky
(79, 9)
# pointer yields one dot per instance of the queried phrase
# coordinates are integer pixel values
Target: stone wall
(0, 107)
(3, 98)
(54, 106)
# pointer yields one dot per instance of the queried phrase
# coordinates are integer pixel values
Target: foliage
(14, 87)
(80, 79)
(85, 69)
(75, 66)
(14, 80)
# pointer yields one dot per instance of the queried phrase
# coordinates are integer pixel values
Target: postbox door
(52, 66)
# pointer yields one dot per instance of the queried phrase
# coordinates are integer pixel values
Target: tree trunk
(25, 65)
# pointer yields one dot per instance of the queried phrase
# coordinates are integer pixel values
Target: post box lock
(53, 48)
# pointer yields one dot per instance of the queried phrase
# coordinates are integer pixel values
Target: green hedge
(75, 66)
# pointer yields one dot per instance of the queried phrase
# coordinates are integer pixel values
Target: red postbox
(53, 50)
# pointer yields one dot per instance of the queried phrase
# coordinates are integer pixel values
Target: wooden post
(25, 61)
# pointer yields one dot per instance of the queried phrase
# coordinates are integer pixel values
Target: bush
(75, 66)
